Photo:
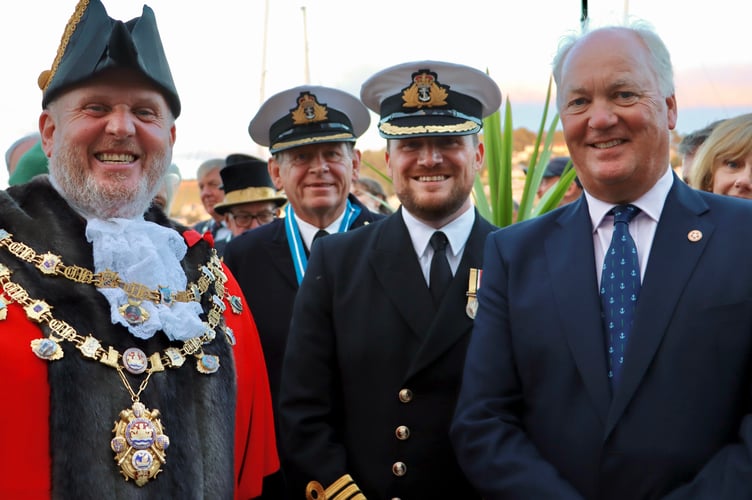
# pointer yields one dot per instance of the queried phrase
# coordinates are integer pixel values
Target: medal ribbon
(297, 249)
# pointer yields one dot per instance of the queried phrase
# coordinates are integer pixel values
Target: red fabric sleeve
(255, 443)
(25, 461)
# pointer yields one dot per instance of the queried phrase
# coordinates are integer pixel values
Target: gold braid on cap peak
(45, 77)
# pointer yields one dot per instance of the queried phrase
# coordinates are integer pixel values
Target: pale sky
(216, 53)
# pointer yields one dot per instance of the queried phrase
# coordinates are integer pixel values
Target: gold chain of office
(140, 443)
(51, 264)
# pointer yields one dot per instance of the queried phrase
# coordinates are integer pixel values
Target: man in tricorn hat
(310, 132)
(133, 366)
(251, 200)
(383, 316)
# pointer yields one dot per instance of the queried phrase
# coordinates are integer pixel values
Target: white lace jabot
(147, 253)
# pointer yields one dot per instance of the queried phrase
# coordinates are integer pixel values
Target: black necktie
(319, 234)
(441, 274)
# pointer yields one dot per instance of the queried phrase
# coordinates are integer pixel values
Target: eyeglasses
(245, 219)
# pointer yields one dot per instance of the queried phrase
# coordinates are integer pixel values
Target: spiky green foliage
(498, 141)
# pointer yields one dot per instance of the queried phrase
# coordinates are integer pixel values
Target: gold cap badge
(425, 91)
(308, 110)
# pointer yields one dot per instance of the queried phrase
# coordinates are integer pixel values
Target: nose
(121, 123)
(744, 178)
(318, 163)
(602, 115)
(429, 155)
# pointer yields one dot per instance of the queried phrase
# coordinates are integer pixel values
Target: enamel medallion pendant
(139, 443)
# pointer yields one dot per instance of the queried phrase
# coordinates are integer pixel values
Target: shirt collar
(457, 231)
(308, 231)
(650, 203)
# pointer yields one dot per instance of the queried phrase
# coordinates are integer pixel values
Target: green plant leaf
(499, 145)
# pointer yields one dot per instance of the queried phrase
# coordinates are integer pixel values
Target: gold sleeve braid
(343, 488)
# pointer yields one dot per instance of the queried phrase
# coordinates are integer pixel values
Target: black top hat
(430, 98)
(245, 179)
(93, 42)
(308, 115)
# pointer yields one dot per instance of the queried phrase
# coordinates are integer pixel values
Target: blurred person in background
(251, 200)
(371, 194)
(551, 176)
(688, 146)
(16, 150)
(168, 187)
(32, 163)
(723, 163)
(210, 190)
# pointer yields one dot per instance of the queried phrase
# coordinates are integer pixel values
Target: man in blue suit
(553, 406)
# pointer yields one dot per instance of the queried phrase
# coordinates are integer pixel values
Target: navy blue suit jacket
(536, 417)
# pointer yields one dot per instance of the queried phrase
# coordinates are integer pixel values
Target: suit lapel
(279, 254)
(278, 248)
(672, 258)
(576, 294)
(451, 323)
(397, 269)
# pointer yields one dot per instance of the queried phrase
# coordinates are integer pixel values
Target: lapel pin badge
(694, 235)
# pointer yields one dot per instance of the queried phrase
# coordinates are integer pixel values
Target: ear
(480, 154)
(386, 157)
(274, 167)
(356, 160)
(47, 131)
(671, 111)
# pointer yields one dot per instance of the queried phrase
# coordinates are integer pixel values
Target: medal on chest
(471, 309)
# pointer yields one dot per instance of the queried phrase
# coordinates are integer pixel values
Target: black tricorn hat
(94, 42)
(246, 179)
(308, 114)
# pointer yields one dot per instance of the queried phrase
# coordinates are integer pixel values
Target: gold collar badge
(309, 110)
(425, 91)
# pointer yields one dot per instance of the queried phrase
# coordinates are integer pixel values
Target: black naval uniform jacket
(262, 264)
(372, 369)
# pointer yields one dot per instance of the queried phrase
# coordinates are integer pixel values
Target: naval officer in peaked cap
(310, 132)
(381, 322)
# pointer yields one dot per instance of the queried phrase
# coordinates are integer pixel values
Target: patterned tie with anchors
(620, 289)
